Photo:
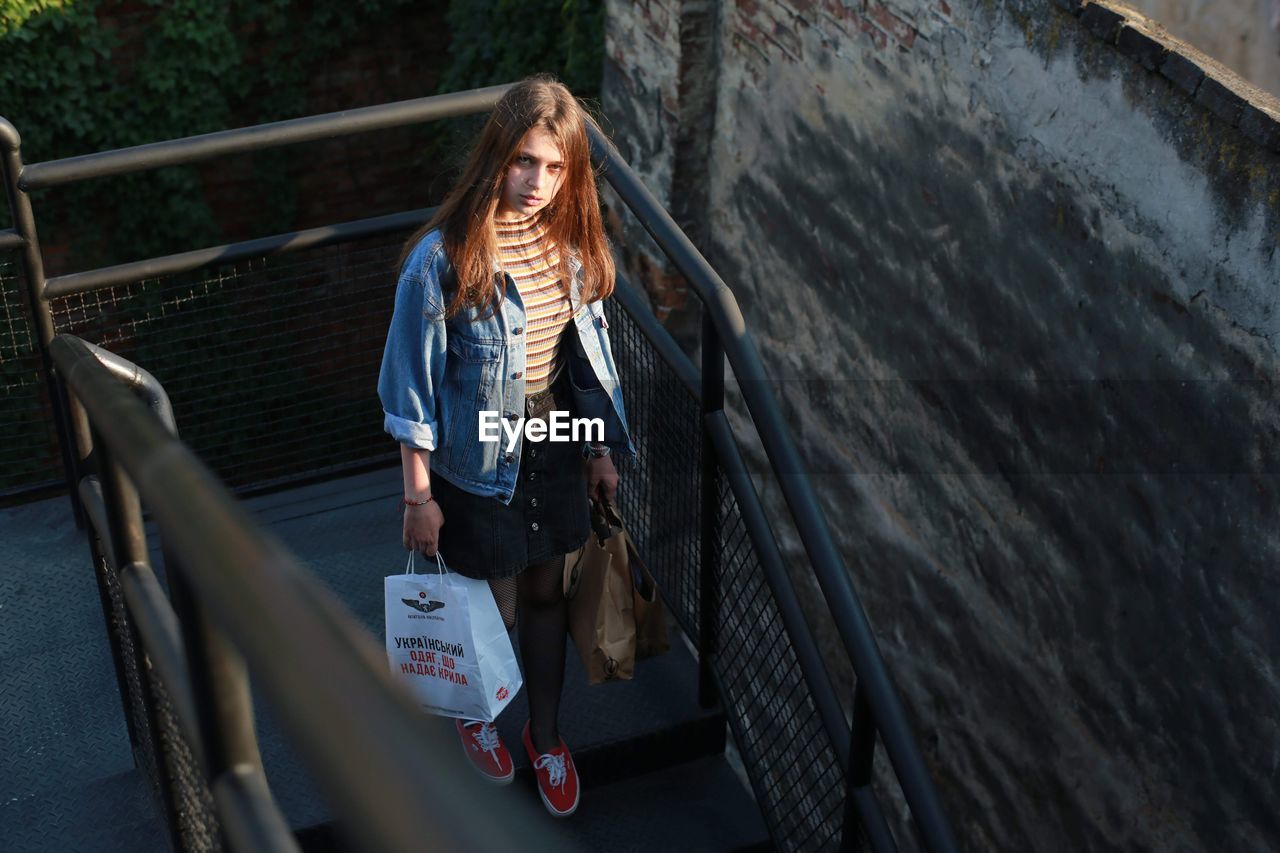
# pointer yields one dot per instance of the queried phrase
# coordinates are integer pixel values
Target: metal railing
(28, 460)
(734, 548)
(877, 708)
(242, 602)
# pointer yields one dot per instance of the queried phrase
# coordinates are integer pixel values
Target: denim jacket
(438, 374)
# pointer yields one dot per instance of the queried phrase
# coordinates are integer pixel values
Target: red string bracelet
(404, 502)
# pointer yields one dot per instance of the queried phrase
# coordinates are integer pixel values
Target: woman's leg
(504, 593)
(544, 616)
(480, 740)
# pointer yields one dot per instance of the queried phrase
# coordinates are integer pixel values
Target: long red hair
(573, 217)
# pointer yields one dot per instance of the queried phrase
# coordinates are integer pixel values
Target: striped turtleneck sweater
(526, 253)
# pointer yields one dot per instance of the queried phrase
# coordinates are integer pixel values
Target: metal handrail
(193, 149)
(292, 241)
(808, 657)
(317, 666)
(10, 239)
(637, 307)
(757, 526)
(154, 618)
(140, 381)
(758, 529)
(24, 225)
(850, 619)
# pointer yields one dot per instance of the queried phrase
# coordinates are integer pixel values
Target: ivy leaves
(81, 76)
(500, 41)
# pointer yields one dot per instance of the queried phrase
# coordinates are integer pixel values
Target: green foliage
(74, 85)
(499, 41)
(81, 76)
(502, 41)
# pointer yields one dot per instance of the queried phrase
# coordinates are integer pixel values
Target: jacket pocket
(474, 351)
(471, 376)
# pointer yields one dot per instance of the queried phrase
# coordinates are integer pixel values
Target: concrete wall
(1014, 267)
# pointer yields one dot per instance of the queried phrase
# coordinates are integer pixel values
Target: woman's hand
(422, 527)
(602, 478)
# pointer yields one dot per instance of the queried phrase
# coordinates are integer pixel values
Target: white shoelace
(555, 768)
(487, 738)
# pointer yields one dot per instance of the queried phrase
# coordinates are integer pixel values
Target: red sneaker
(484, 747)
(557, 777)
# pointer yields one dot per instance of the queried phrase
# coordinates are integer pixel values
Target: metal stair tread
(108, 814)
(598, 722)
(696, 807)
(55, 723)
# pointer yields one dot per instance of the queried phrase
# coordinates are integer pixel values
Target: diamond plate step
(696, 807)
(113, 813)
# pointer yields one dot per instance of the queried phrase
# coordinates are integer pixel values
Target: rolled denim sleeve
(413, 360)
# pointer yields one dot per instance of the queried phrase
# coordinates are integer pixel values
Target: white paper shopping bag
(447, 644)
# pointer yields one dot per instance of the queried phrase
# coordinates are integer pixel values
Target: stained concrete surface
(1018, 297)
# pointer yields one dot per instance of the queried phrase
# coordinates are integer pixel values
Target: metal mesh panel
(798, 782)
(189, 795)
(659, 495)
(776, 725)
(159, 747)
(28, 452)
(120, 627)
(272, 364)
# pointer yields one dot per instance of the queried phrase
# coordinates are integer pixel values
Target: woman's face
(534, 176)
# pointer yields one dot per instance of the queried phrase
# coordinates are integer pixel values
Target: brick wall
(1012, 265)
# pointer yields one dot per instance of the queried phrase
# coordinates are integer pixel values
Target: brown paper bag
(615, 611)
(646, 604)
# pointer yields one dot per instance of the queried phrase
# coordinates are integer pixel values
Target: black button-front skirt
(549, 514)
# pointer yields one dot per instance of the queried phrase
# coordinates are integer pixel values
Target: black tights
(544, 619)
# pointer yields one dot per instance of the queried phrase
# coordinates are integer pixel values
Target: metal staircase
(282, 584)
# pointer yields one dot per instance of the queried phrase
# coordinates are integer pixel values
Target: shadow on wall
(1062, 516)
(1011, 265)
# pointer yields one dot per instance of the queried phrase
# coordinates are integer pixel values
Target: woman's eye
(522, 160)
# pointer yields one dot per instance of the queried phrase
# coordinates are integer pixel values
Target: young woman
(498, 316)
